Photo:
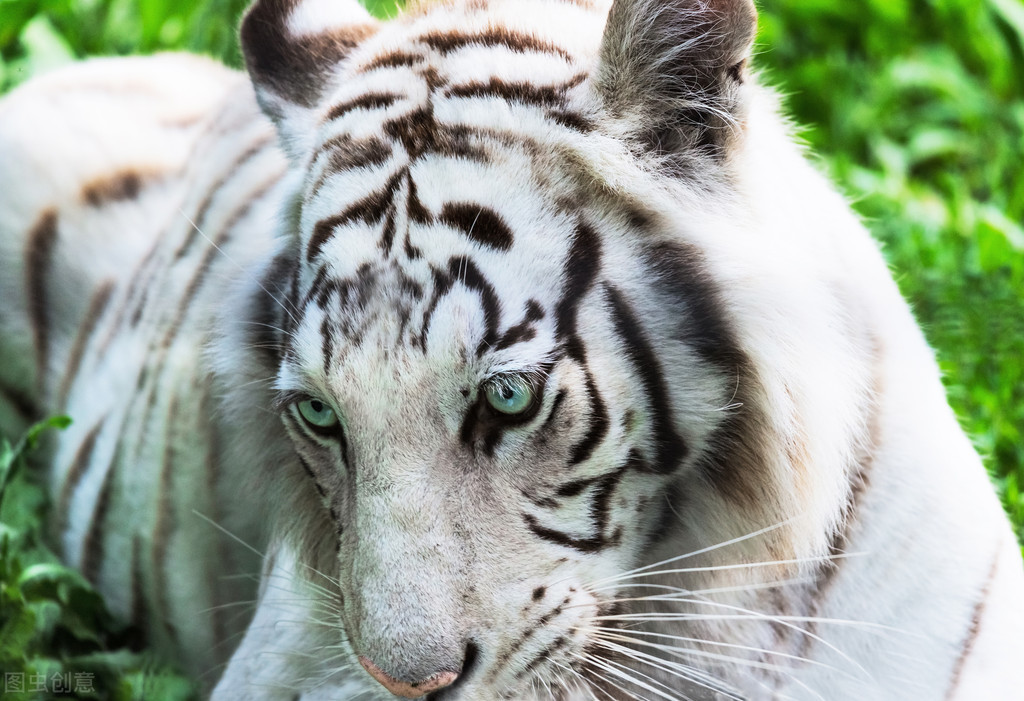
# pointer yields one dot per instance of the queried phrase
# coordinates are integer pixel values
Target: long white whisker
(701, 551)
(235, 263)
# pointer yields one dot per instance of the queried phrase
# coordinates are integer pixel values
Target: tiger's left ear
(292, 48)
(673, 72)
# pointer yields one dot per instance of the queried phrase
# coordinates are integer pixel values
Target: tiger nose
(409, 690)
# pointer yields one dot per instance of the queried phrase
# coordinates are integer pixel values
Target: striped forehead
(432, 194)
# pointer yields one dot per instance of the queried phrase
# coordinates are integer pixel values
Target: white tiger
(524, 343)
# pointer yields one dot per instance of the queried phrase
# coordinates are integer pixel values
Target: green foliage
(917, 107)
(57, 639)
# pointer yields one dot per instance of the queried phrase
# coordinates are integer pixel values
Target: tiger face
(500, 370)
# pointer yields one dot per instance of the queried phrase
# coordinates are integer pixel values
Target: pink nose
(409, 690)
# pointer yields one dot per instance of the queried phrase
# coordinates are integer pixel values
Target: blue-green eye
(509, 394)
(317, 413)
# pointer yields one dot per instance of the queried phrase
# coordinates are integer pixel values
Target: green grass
(57, 639)
(916, 108)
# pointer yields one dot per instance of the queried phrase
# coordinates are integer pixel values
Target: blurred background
(914, 107)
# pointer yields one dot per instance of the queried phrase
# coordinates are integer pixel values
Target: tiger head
(508, 365)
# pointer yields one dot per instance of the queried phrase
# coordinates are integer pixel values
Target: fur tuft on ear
(291, 48)
(673, 71)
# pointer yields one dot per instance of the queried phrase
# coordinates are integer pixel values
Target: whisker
(235, 263)
(701, 551)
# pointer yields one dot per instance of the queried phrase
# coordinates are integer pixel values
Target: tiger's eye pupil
(316, 406)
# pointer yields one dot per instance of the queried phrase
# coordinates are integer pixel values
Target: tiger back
(520, 339)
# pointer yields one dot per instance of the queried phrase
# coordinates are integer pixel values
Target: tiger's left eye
(509, 395)
(318, 413)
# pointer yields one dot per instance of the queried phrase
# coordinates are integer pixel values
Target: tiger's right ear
(292, 48)
(674, 72)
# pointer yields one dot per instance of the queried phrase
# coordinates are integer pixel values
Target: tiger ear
(291, 49)
(673, 72)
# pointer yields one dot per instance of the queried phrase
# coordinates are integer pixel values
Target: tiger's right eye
(317, 413)
(509, 395)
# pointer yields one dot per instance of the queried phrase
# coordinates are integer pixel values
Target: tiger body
(728, 391)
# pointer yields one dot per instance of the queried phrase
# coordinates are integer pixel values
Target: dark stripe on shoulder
(670, 448)
(79, 464)
(479, 223)
(95, 540)
(38, 268)
(211, 192)
(449, 41)
(123, 185)
(98, 305)
(211, 254)
(974, 627)
(139, 605)
(166, 522)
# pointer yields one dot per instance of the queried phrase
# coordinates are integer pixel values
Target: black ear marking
(292, 49)
(674, 68)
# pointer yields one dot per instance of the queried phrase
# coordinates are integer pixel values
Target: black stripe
(387, 237)
(522, 92)
(682, 285)
(418, 214)
(139, 607)
(326, 344)
(479, 223)
(38, 267)
(555, 406)
(370, 101)
(599, 422)
(449, 41)
(124, 185)
(166, 522)
(524, 330)
(464, 271)
(312, 476)
(95, 546)
(204, 208)
(97, 306)
(79, 465)
(581, 269)
(347, 153)
(370, 209)
(583, 545)
(599, 510)
(269, 309)
(393, 59)
(974, 627)
(670, 449)
(571, 120)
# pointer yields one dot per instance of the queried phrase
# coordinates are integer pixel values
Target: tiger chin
(513, 347)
